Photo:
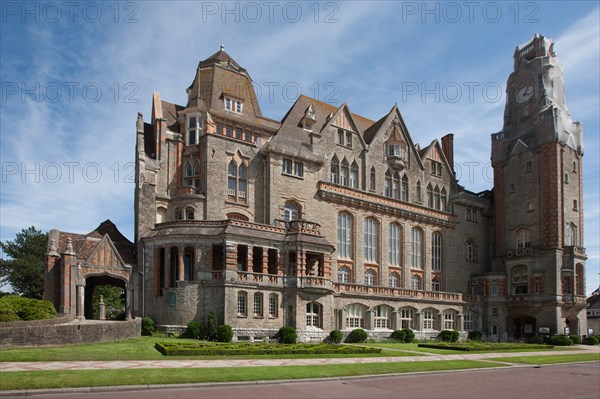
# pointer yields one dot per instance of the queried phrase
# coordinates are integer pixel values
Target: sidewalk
(167, 364)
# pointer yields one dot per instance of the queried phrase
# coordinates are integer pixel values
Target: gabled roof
(84, 245)
(435, 145)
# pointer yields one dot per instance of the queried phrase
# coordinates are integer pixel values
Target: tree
(24, 271)
(113, 302)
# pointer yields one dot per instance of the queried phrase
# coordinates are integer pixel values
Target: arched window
(369, 277)
(188, 263)
(394, 280)
(436, 197)
(242, 178)
(571, 235)
(579, 279)
(335, 170)
(355, 316)
(419, 192)
(435, 284)
(313, 315)
(387, 184)
(417, 248)
(242, 303)
(189, 213)
(394, 241)
(179, 214)
(373, 179)
(415, 283)
(443, 199)
(189, 171)
(231, 179)
(429, 196)
(344, 173)
(290, 211)
(370, 240)
(436, 252)
(344, 243)
(519, 280)
(161, 214)
(523, 237)
(237, 216)
(354, 175)
(396, 186)
(383, 316)
(404, 191)
(343, 275)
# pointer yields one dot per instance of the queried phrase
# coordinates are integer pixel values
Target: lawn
(550, 359)
(501, 347)
(94, 378)
(142, 349)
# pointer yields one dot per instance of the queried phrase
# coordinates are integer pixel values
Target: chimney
(448, 149)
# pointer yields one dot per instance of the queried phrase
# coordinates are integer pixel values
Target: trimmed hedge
(561, 340)
(357, 336)
(236, 349)
(475, 335)
(286, 335)
(26, 308)
(591, 340)
(576, 339)
(335, 337)
(448, 335)
(398, 335)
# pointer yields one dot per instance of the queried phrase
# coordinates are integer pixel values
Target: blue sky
(75, 74)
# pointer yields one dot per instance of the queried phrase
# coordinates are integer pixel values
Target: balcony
(396, 292)
(574, 250)
(519, 252)
(187, 190)
(299, 226)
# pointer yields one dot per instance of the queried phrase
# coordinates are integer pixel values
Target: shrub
(448, 336)
(335, 337)
(475, 335)
(357, 336)
(576, 339)
(148, 326)
(28, 308)
(591, 340)
(211, 326)
(561, 340)
(455, 335)
(224, 333)
(398, 335)
(537, 339)
(410, 335)
(193, 330)
(286, 335)
(7, 313)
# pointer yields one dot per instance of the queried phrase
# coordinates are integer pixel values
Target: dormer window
(234, 105)
(396, 151)
(436, 168)
(194, 130)
(308, 119)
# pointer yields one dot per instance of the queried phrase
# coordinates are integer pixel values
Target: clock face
(524, 94)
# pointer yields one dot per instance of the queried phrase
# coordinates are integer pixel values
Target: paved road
(572, 381)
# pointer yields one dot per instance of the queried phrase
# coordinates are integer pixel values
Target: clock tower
(537, 162)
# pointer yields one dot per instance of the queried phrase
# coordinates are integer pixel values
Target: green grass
(140, 349)
(95, 378)
(501, 348)
(550, 359)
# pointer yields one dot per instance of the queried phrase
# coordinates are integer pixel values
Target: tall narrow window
(523, 238)
(242, 303)
(407, 318)
(419, 192)
(428, 319)
(570, 235)
(394, 241)
(417, 248)
(335, 170)
(237, 186)
(344, 173)
(435, 284)
(387, 186)
(429, 196)
(258, 304)
(469, 251)
(396, 186)
(372, 181)
(344, 236)
(443, 199)
(370, 240)
(313, 315)
(404, 190)
(354, 175)
(415, 283)
(231, 179)
(194, 129)
(519, 280)
(436, 252)
(436, 197)
(394, 280)
(242, 185)
(273, 305)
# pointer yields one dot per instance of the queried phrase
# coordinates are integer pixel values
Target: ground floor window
(313, 315)
(407, 317)
(428, 319)
(356, 316)
(382, 316)
(273, 305)
(242, 304)
(469, 321)
(258, 304)
(449, 320)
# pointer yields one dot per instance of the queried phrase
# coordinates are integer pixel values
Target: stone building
(329, 220)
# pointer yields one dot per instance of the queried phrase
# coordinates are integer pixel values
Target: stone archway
(94, 281)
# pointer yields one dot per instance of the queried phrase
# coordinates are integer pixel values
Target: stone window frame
(273, 305)
(437, 251)
(314, 315)
(258, 305)
(355, 315)
(395, 242)
(382, 317)
(345, 235)
(242, 304)
(371, 240)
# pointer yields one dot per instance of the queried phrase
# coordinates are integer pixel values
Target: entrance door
(524, 328)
